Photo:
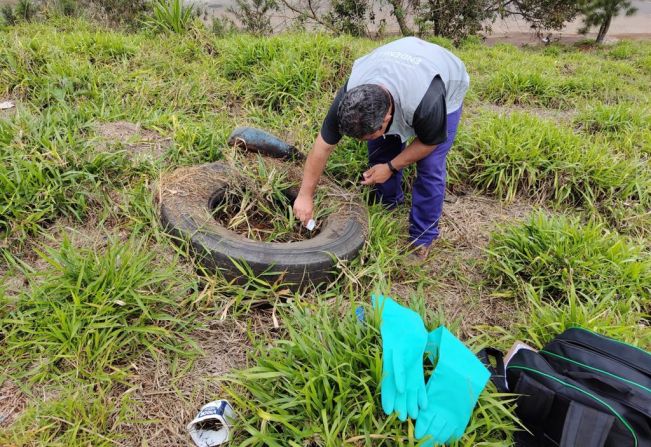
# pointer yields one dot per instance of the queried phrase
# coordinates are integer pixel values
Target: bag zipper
(587, 393)
(612, 339)
(615, 376)
(605, 354)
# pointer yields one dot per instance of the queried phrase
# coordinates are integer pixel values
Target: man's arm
(314, 166)
(416, 151)
(316, 161)
(380, 173)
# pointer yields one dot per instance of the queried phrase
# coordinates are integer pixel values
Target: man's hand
(303, 207)
(377, 174)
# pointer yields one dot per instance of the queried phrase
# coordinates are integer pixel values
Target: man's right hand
(304, 207)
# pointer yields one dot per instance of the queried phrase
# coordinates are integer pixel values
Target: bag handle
(585, 426)
(498, 372)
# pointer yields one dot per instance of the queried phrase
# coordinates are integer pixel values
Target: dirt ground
(455, 261)
(169, 400)
(139, 143)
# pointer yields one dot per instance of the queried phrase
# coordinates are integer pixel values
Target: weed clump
(89, 313)
(557, 256)
(521, 154)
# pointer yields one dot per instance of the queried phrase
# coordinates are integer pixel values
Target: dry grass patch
(140, 143)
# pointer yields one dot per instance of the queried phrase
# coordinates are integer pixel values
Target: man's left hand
(378, 174)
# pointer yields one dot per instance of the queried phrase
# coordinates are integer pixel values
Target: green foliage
(123, 13)
(91, 312)
(604, 313)
(80, 416)
(255, 15)
(452, 19)
(222, 26)
(349, 16)
(601, 12)
(26, 10)
(319, 384)
(171, 16)
(523, 154)
(543, 14)
(261, 207)
(8, 14)
(558, 256)
(67, 76)
(614, 119)
(284, 71)
(526, 87)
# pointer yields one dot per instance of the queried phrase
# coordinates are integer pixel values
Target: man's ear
(387, 117)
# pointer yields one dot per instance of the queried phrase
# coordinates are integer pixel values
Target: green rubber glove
(452, 389)
(403, 345)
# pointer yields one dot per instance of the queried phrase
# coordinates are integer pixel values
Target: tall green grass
(171, 16)
(319, 386)
(522, 154)
(558, 256)
(91, 312)
(78, 416)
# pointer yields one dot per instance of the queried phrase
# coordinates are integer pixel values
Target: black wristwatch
(393, 170)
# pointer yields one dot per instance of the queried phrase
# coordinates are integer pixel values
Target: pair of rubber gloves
(443, 407)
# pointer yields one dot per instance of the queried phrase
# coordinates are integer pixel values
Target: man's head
(365, 112)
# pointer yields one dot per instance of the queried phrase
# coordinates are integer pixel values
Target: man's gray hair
(362, 110)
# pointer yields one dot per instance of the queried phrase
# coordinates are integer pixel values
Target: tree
(454, 19)
(540, 14)
(601, 12)
(349, 16)
(400, 10)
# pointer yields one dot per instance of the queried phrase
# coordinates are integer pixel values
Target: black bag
(581, 390)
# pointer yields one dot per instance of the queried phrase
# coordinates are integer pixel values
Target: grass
(558, 256)
(302, 390)
(521, 154)
(171, 16)
(91, 312)
(80, 318)
(261, 206)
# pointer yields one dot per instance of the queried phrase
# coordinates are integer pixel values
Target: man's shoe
(419, 255)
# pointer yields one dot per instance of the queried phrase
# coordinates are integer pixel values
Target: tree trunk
(603, 29)
(399, 14)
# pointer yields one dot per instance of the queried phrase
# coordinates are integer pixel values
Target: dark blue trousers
(429, 187)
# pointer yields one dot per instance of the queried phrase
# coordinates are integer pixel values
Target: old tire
(186, 199)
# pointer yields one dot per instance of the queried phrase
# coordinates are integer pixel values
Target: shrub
(8, 15)
(255, 15)
(26, 10)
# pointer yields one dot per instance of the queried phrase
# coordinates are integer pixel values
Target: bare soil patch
(12, 402)
(170, 400)
(455, 260)
(139, 143)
